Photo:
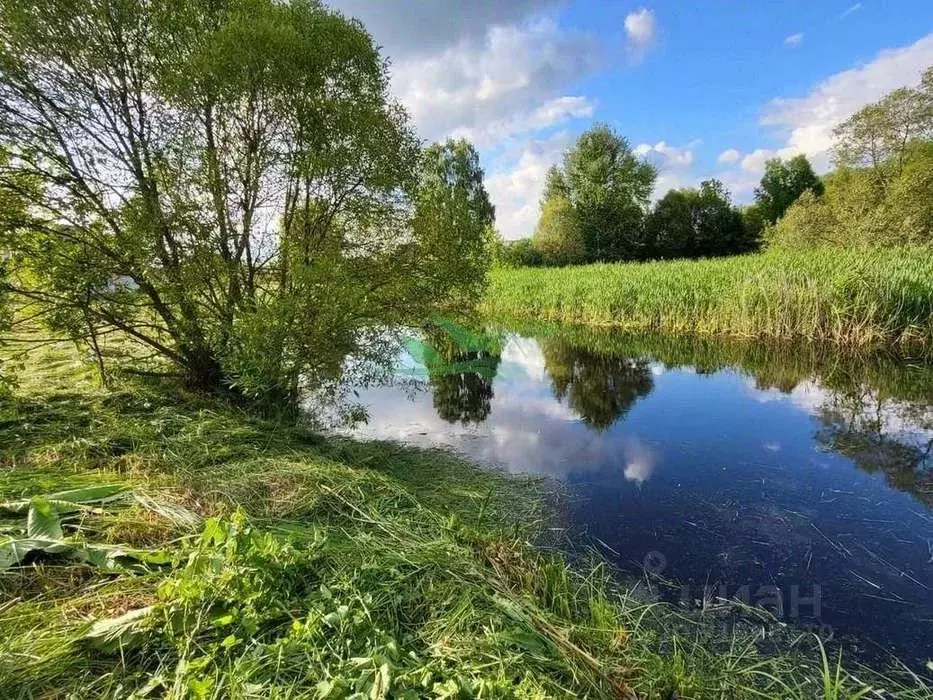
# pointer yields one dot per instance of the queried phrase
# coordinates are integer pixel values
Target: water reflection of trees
(881, 435)
(874, 409)
(461, 373)
(600, 388)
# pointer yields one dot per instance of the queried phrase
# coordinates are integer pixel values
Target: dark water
(784, 477)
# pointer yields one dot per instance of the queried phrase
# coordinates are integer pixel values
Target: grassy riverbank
(850, 298)
(212, 555)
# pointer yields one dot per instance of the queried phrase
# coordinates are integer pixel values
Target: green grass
(299, 566)
(849, 298)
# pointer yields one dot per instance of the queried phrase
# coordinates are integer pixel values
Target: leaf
(15, 550)
(43, 520)
(116, 558)
(91, 494)
(69, 501)
(114, 634)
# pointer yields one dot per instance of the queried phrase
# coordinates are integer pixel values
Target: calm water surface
(786, 478)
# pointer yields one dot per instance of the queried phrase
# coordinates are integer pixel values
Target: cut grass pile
(248, 559)
(851, 298)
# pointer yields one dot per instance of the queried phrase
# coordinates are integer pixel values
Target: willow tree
(225, 183)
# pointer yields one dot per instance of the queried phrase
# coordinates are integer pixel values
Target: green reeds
(876, 298)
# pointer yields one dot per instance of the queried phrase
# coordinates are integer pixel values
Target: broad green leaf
(42, 520)
(90, 494)
(69, 501)
(116, 558)
(14, 550)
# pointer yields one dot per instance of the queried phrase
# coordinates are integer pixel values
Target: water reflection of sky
(730, 483)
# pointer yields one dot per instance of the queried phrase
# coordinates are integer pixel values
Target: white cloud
(478, 88)
(852, 8)
(673, 164)
(408, 27)
(641, 30)
(551, 113)
(666, 155)
(516, 190)
(730, 156)
(754, 162)
(794, 39)
(808, 121)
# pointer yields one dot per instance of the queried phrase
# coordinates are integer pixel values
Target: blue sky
(702, 89)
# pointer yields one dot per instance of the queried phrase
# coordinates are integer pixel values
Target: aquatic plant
(849, 298)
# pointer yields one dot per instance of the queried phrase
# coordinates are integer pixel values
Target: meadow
(853, 298)
(160, 544)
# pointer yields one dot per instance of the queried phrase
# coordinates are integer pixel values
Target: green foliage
(44, 533)
(781, 185)
(878, 136)
(453, 223)
(692, 223)
(558, 239)
(518, 253)
(882, 189)
(851, 298)
(856, 211)
(596, 208)
(609, 189)
(226, 185)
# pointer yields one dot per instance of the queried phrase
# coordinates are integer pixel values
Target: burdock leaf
(43, 521)
(14, 550)
(90, 494)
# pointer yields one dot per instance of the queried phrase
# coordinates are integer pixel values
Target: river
(790, 477)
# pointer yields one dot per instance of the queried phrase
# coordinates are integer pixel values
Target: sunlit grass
(849, 298)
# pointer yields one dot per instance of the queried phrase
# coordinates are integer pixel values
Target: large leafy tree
(879, 136)
(454, 221)
(782, 183)
(609, 188)
(223, 182)
(882, 189)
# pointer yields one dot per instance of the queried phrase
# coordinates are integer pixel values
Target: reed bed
(859, 299)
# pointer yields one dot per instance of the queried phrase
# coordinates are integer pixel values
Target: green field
(851, 298)
(157, 544)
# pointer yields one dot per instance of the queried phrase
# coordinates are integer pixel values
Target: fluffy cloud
(729, 157)
(407, 27)
(673, 164)
(666, 156)
(479, 87)
(808, 121)
(515, 190)
(551, 113)
(794, 39)
(641, 29)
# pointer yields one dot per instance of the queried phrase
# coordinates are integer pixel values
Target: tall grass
(850, 298)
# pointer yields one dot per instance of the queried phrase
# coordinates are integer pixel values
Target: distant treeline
(596, 205)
